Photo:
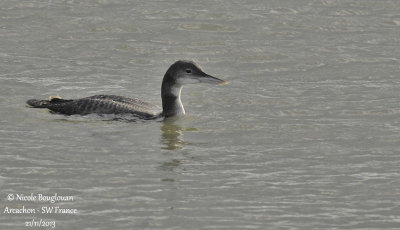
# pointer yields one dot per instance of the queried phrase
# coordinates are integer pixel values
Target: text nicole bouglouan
(38, 210)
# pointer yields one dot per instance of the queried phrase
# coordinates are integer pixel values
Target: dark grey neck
(171, 98)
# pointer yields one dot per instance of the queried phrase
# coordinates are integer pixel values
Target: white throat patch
(176, 91)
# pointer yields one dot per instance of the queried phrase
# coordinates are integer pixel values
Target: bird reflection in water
(171, 137)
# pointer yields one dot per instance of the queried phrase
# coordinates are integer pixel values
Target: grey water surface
(306, 135)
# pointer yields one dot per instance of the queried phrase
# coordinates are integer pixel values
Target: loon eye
(188, 71)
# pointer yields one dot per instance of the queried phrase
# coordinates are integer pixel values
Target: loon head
(188, 72)
(181, 73)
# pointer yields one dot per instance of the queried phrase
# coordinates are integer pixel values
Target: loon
(178, 74)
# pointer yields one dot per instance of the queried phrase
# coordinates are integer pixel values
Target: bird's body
(180, 73)
(99, 104)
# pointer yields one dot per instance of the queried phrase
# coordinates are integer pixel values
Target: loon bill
(178, 74)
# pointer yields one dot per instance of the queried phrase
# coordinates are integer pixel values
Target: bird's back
(100, 104)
